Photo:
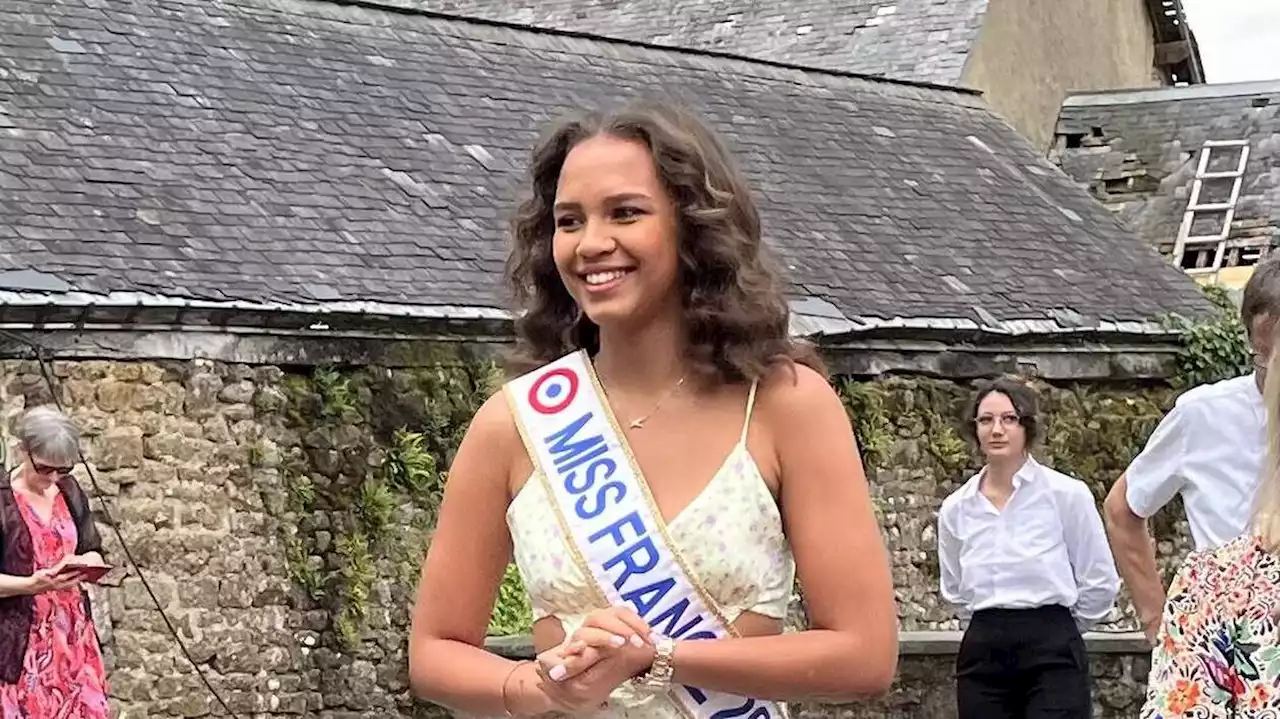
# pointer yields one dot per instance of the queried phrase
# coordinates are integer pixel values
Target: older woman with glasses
(1024, 557)
(50, 660)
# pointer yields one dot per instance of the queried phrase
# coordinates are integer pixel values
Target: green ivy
(337, 396)
(946, 446)
(1094, 434)
(511, 611)
(1214, 348)
(380, 514)
(410, 468)
(864, 403)
(358, 572)
(375, 508)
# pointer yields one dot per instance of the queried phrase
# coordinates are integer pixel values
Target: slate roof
(1138, 152)
(314, 154)
(920, 40)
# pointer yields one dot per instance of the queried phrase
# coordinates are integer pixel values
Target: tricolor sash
(615, 531)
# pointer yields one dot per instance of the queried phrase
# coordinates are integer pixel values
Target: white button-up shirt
(1210, 448)
(1047, 546)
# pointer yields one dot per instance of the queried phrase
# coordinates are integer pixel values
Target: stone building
(1024, 56)
(1193, 169)
(258, 245)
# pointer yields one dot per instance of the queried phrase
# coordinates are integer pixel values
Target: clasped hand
(612, 646)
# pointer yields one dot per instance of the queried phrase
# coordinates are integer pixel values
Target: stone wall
(171, 446)
(280, 514)
(1118, 667)
(926, 690)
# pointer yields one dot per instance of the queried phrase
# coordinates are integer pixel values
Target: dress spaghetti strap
(751, 403)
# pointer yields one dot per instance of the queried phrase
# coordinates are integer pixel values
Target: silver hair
(49, 435)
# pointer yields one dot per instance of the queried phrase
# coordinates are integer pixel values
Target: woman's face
(41, 470)
(616, 233)
(1000, 433)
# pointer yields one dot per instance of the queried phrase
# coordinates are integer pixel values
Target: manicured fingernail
(557, 672)
(617, 641)
(636, 641)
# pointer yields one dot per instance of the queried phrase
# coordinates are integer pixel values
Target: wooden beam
(1172, 53)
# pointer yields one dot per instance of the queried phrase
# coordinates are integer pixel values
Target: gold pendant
(637, 423)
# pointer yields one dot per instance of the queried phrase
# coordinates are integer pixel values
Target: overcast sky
(1239, 39)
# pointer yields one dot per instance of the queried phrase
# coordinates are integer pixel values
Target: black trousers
(1023, 664)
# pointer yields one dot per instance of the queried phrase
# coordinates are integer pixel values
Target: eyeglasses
(45, 469)
(987, 421)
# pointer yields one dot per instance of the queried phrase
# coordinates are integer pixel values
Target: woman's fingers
(60, 582)
(558, 664)
(570, 697)
(587, 647)
(595, 638)
(576, 664)
(622, 621)
(548, 660)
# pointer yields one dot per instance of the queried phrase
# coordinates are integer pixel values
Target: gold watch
(658, 678)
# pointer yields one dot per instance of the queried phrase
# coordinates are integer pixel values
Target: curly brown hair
(736, 314)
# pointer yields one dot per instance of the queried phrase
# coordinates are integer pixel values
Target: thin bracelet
(505, 707)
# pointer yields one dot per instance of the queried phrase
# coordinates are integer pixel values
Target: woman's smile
(603, 281)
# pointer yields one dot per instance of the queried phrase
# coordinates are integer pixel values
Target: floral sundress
(62, 673)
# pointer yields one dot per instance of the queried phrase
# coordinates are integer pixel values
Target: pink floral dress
(62, 674)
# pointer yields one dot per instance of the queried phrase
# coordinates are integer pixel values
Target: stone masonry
(304, 613)
(170, 446)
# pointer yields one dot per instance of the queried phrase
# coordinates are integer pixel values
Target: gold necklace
(638, 423)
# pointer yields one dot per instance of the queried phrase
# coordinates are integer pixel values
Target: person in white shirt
(1209, 448)
(1024, 558)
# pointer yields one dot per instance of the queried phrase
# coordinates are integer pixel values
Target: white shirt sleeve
(1157, 473)
(949, 562)
(1092, 564)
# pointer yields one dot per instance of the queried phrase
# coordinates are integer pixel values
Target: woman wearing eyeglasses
(50, 659)
(1024, 558)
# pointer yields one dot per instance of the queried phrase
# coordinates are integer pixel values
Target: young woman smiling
(638, 265)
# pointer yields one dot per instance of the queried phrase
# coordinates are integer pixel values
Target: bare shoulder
(494, 421)
(794, 390)
(491, 441)
(800, 411)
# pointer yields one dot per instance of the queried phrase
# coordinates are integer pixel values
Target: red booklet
(86, 573)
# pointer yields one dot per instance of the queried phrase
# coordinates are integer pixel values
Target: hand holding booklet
(84, 571)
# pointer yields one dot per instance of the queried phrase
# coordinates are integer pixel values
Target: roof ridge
(392, 6)
(1203, 91)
